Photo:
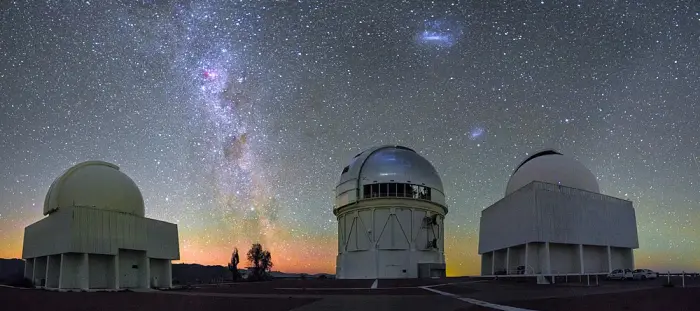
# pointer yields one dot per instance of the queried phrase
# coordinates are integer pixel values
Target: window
(398, 190)
(392, 190)
(345, 170)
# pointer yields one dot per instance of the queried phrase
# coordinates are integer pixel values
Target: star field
(236, 118)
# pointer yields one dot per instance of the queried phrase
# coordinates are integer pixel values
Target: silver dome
(387, 164)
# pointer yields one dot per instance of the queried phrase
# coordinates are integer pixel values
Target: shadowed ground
(347, 295)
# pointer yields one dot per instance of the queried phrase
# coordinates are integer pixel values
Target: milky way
(235, 118)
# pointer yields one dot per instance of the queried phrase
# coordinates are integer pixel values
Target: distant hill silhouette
(185, 273)
(199, 274)
(11, 270)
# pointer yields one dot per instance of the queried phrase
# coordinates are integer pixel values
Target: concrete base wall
(160, 273)
(499, 261)
(595, 259)
(74, 271)
(133, 269)
(621, 258)
(102, 271)
(487, 264)
(53, 272)
(533, 258)
(564, 258)
(80, 271)
(39, 275)
(556, 259)
(29, 268)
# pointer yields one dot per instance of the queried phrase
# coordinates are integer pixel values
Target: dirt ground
(673, 299)
(41, 300)
(349, 295)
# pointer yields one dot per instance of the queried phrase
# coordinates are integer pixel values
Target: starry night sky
(236, 118)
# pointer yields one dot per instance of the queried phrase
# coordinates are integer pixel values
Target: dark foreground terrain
(41, 300)
(676, 299)
(345, 295)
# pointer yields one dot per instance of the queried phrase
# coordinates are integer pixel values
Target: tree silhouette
(261, 260)
(233, 265)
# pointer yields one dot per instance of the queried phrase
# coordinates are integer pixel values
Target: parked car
(620, 274)
(644, 274)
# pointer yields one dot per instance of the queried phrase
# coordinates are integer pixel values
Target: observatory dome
(395, 167)
(96, 184)
(552, 167)
(392, 164)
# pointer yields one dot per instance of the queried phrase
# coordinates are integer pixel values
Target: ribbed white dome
(552, 167)
(95, 184)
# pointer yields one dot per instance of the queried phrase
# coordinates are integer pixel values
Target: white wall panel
(74, 271)
(159, 274)
(101, 270)
(533, 257)
(131, 268)
(87, 230)
(564, 258)
(419, 232)
(510, 221)
(48, 236)
(571, 216)
(541, 264)
(53, 271)
(499, 262)
(486, 261)
(92, 234)
(621, 258)
(40, 265)
(382, 228)
(29, 268)
(359, 265)
(393, 264)
(517, 257)
(163, 241)
(595, 259)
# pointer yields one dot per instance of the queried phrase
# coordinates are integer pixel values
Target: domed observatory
(391, 208)
(553, 220)
(95, 235)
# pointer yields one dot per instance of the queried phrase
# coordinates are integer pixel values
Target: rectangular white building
(550, 229)
(87, 248)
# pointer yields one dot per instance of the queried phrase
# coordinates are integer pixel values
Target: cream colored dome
(98, 185)
(552, 167)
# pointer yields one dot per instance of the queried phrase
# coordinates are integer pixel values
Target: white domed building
(553, 220)
(96, 236)
(390, 206)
